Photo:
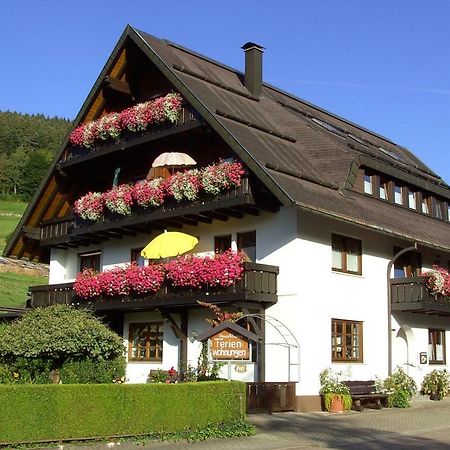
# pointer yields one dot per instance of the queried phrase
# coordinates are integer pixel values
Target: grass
(14, 287)
(10, 213)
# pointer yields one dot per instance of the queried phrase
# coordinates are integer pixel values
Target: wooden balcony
(71, 232)
(257, 285)
(188, 120)
(411, 295)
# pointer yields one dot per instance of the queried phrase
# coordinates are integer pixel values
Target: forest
(28, 144)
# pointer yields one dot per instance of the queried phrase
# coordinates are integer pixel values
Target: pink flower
(135, 118)
(149, 193)
(119, 199)
(90, 207)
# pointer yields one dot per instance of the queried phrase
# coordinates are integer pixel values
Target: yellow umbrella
(167, 244)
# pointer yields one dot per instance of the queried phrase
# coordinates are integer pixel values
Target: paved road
(426, 425)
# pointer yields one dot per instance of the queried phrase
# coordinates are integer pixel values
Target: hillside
(28, 144)
(14, 280)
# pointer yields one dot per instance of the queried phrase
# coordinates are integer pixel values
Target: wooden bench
(363, 394)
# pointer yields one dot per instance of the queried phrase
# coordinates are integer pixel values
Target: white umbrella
(173, 159)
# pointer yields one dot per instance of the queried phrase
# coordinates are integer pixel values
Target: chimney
(253, 68)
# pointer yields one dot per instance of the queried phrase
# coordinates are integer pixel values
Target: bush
(58, 332)
(84, 371)
(32, 413)
(399, 399)
(436, 383)
(26, 370)
(400, 387)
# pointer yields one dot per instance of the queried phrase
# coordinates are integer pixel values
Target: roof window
(327, 126)
(392, 154)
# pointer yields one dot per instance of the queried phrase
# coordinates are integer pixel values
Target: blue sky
(384, 65)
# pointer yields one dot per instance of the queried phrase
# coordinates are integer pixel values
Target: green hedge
(32, 413)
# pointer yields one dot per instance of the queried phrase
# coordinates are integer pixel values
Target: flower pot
(436, 397)
(337, 405)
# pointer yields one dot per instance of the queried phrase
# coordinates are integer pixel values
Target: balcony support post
(181, 334)
(389, 299)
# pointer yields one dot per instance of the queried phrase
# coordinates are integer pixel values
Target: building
(323, 208)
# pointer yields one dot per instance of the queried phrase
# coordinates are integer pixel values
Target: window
(448, 212)
(346, 340)
(246, 243)
(398, 194)
(412, 199)
(384, 189)
(222, 243)
(368, 184)
(136, 257)
(90, 261)
(346, 254)
(439, 209)
(145, 342)
(436, 346)
(407, 265)
(426, 205)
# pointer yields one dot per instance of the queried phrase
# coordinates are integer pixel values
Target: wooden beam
(188, 221)
(231, 212)
(116, 85)
(247, 209)
(199, 218)
(32, 232)
(215, 215)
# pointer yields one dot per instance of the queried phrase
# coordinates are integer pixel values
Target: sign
(423, 357)
(228, 345)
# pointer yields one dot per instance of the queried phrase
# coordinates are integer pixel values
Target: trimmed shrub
(84, 371)
(58, 332)
(32, 413)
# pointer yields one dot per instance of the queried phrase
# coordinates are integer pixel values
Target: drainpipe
(389, 305)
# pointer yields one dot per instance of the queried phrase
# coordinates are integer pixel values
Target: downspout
(389, 305)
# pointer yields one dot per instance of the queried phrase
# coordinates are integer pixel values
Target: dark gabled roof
(305, 155)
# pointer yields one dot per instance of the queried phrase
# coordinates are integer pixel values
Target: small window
(384, 189)
(145, 342)
(222, 243)
(368, 184)
(448, 212)
(436, 346)
(412, 199)
(90, 261)
(398, 194)
(346, 254)
(346, 340)
(426, 205)
(136, 257)
(246, 243)
(439, 209)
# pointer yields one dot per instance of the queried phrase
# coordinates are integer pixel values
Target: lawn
(10, 214)
(14, 287)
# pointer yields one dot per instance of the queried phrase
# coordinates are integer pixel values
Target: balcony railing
(187, 120)
(258, 284)
(411, 294)
(71, 230)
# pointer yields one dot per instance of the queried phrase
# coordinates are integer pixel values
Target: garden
(61, 378)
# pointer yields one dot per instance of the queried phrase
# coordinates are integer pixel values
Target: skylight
(327, 126)
(392, 154)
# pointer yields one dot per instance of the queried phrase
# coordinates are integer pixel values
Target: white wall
(310, 294)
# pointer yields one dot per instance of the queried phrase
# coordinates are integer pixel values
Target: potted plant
(336, 395)
(436, 384)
